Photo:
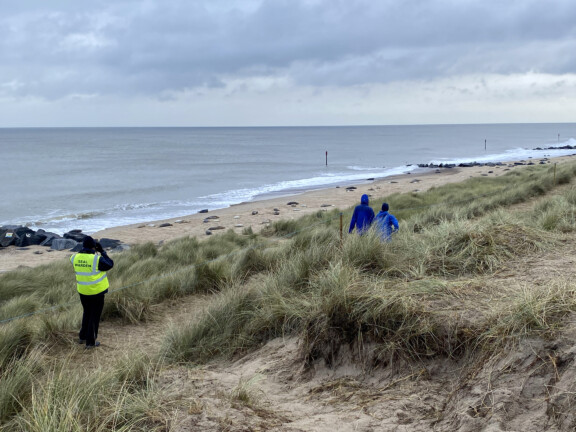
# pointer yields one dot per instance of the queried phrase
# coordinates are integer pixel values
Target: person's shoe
(81, 341)
(97, 344)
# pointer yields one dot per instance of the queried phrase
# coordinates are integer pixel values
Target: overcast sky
(286, 62)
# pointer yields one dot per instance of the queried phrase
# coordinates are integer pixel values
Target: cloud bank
(175, 52)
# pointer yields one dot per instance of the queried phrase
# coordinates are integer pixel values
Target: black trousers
(93, 305)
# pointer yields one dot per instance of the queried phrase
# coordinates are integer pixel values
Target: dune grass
(418, 297)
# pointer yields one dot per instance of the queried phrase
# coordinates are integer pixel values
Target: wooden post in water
(326, 157)
(484, 145)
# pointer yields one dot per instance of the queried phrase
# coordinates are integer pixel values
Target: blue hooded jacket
(363, 216)
(387, 224)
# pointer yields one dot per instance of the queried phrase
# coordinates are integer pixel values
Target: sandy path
(505, 393)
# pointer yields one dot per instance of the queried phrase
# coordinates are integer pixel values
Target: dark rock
(49, 237)
(76, 235)
(28, 237)
(121, 247)
(7, 237)
(63, 244)
(208, 232)
(107, 243)
(77, 248)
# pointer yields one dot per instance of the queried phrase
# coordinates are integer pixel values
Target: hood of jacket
(364, 199)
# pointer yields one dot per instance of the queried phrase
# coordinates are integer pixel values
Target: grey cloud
(150, 47)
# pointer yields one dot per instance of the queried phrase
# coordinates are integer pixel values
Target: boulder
(7, 237)
(77, 248)
(49, 237)
(28, 237)
(63, 244)
(76, 235)
(110, 243)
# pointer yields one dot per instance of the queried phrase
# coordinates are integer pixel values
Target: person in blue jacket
(362, 217)
(386, 223)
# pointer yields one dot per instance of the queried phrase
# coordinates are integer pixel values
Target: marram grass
(420, 296)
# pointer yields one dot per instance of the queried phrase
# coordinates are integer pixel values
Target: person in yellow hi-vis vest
(91, 265)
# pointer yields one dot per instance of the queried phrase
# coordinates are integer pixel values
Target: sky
(286, 62)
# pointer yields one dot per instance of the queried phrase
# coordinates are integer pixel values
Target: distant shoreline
(255, 215)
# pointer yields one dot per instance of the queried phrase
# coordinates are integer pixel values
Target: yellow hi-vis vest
(89, 280)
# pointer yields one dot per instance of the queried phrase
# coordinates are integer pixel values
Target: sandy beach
(256, 214)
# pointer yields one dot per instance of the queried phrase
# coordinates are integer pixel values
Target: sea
(60, 179)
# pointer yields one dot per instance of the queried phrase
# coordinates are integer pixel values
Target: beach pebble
(236, 217)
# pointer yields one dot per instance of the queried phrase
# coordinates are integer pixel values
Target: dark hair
(88, 243)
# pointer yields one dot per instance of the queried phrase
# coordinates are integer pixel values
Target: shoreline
(256, 214)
